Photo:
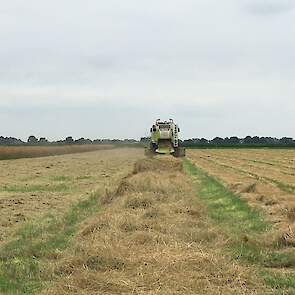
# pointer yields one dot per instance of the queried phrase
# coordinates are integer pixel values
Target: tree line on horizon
(236, 141)
(32, 140)
(193, 142)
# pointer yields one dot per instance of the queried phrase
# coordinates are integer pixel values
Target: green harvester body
(164, 139)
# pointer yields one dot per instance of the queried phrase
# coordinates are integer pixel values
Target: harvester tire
(179, 152)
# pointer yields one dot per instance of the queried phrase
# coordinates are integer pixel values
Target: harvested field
(264, 178)
(33, 187)
(153, 237)
(114, 222)
(18, 152)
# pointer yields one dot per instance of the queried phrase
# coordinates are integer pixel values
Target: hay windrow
(145, 179)
(167, 164)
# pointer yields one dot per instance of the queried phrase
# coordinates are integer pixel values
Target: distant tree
(204, 141)
(69, 140)
(43, 140)
(217, 141)
(234, 140)
(257, 140)
(287, 141)
(32, 140)
(247, 140)
(129, 140)
(269, 140)
(10, 141)
(83, 141)
(97, 141)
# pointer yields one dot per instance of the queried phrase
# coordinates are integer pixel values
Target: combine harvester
(164, 139)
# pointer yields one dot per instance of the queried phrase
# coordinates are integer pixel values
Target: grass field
(114, 222)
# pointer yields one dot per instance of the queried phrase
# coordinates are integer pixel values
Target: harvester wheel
(179, 152)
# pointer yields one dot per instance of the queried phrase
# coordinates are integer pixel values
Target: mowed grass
(23, 260)
(29, 190)
(224, 206)
(66, 178)
(62, 178)
(155, 214)
(153, 236)
(288, 188)
(246, 229)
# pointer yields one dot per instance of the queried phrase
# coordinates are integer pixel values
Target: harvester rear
(164, 139)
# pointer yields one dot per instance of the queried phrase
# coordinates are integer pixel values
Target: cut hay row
(17, 152)
(152, 237)
(252, 158)
(270, 157)
(263, 175)
(250, 239)
(275, 173)
(277, 201)
(264, 163)
(254, 162)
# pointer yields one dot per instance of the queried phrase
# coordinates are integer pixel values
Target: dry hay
(291, 214)
(153, 237)
(250, 188)
(18, 152)
(162, 164)
(80, 173)
(287, 238)
(245, 173)
(145, 179)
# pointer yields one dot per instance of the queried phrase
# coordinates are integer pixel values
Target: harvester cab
(164, 139)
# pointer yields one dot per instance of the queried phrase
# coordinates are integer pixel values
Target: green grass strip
(22, 259)
(238, 220)
(62, 178)
(224, 206)
(279, 281)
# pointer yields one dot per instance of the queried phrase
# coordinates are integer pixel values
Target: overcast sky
(102, 69)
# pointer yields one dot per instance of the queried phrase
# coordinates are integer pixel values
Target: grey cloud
(127, 120)
(197, 61)
(269, 7)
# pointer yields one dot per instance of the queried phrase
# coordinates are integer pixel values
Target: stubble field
(32, 187)
(115, 222)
